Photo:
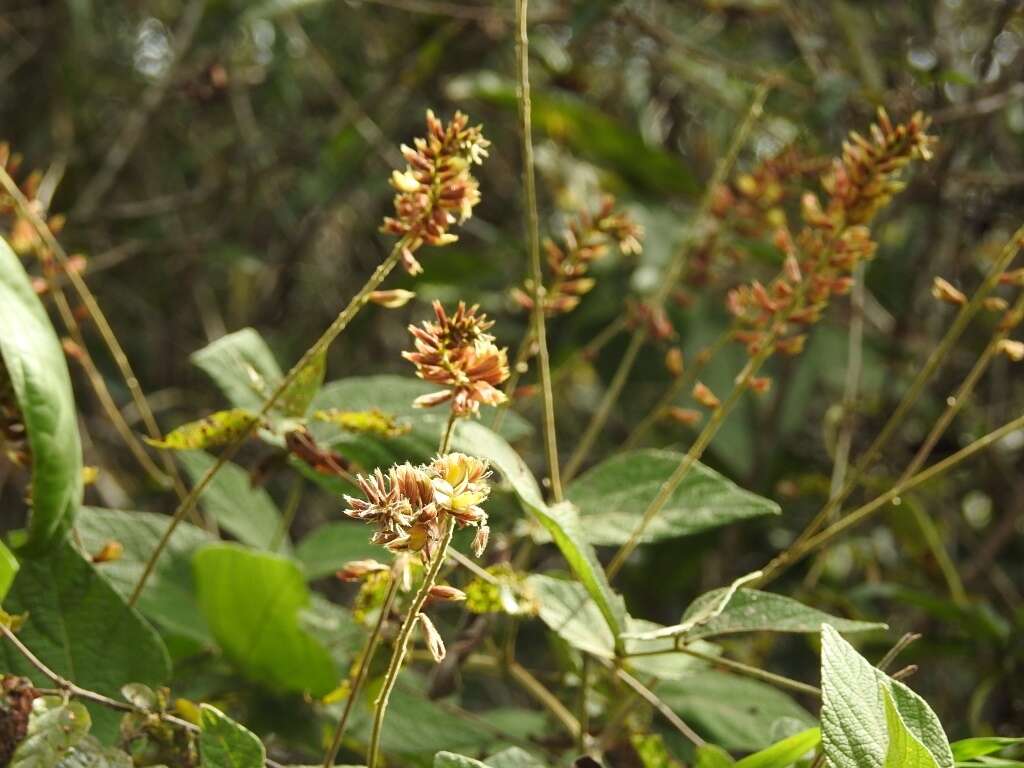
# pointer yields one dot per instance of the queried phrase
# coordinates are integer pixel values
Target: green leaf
(569, 611)
(751, 610)
(560, 521)
(785, 752)
(612, 498)
(38, 373)
(326, 549)
(217, 429)
(8, 569)
(968, 749)
(853, 718)
(372, 422)
(735, 712)
(514, 757)
(451, 760)
(223, 743)
(246, 512)
(83, 630)
(295, 400)
(242, 366)
(713, 756)
(169, 598)
(905, 751)
(53, 729)
(90, 753)
(251, 601)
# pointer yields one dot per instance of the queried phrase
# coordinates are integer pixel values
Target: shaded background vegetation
(224, 164)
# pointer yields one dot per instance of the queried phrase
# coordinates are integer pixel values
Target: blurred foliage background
(224, 164)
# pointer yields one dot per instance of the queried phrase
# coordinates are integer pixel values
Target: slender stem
(290, 510)
(584, 717)
(411, 617)
(896, 650)
(652, 699)
(801, 549)
(672, 276)
(758, 674)
(402, 643)
(533, 230)
(677, 387)
(332, 332)
(88, 299)
(692, 456)
(854, 364)
(364, 668)
(604, 408)
(535, 688)
(932, 364)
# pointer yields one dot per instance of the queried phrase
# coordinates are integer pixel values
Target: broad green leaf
(514, 757)
(569, 611)
(8, 569)
(561, 521)
(750, 610)
(169, 598)
(904, 751)
(451, 760)
(295, 400)
(242, 366)
(90, 753)
(246, 512)
(37, 371)
(785, 752)
(251, 601)
(215, 430)
(853, 719)
(327, 548)
(713, 756)
(968, 749)
(589, 132)
(53, 729)
(223, 743)
(612, 498)
(734, 712)
(81, 628)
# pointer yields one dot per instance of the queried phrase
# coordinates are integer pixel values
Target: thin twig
(652, 699)
(533, 232)
(88, 299)
(896, 650)
(672, 276)
(320, 346)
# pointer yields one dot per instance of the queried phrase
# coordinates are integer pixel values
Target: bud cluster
(411, 505)
(583, 241)
(457, 352)
(835, 238)
(436, 190)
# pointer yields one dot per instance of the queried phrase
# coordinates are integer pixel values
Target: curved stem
(402, 643)
(319, 346)
(533, 230)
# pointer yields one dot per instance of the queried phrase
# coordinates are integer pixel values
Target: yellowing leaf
(371, 422)
(295, 400)
(217, 429)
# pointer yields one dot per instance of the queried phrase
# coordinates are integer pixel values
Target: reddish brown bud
(446, 593)
(685, 416)
(944, 291)
(674, 361)
(794, 345)
(703, 395)
(392, 299)
(357, 570)
(760, 384)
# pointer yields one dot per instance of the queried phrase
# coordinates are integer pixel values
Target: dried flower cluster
(457, 352)
(436, 190)
(835, 238)
(584, 240)
(411, 505)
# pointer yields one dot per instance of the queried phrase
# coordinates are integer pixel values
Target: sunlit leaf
(713, 756)
(54, 728)
(223, 743)
(8, 569)
(968, 749)
(38, 374)
(251, 602)
(785, 752)
(215, 430)
(242, 366)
